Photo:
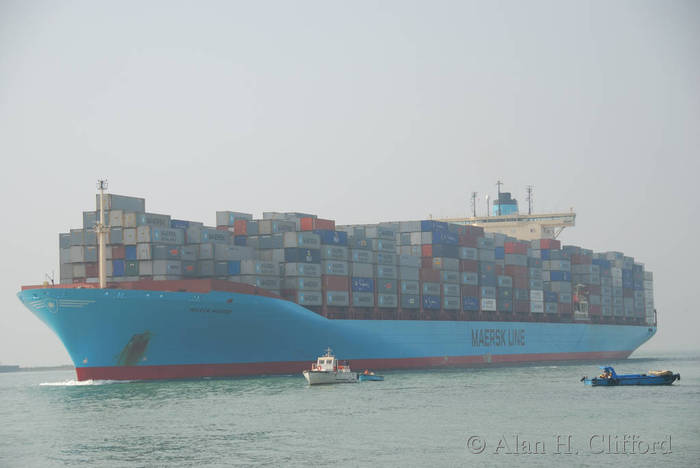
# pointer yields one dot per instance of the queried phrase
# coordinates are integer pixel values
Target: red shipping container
(551, 244)
(427, 250)
(469, 290)
(595, 309)
(516, 270)
(118, 252)
(498, 270)
(467, 240)
(474, 231)
(430, 275)
(426, 262)
(515, 248)
(240, 227)
(468, 265)
(581, 260)
(335, 283)
(327, 224)
(522, 307)
(594, 289)
(521, 282)
(91, 270)
(309, 224)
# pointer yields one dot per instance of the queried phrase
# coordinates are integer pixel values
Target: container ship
(145, 296)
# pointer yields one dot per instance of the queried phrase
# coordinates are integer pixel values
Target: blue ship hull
(141, 334)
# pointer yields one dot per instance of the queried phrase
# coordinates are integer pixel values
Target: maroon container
(335, 283)
(522, 307)
(468, 265)
(469, 290)
(468, 240)
(91, 270)
(565, 308)
(551, 244)
(118, 252)
(516, 271)
(430, 275)
(521, 282)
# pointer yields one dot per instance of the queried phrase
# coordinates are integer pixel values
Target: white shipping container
(116, 218)
(130, 219)
(301, 269)
(261, 281)
(302, 283)
(206, 251)
(308, 240)
(362, 270)
(536, 296)
(362, 299)
(488, 305)
(332, 267)
(334, 252)
(260, 268)
(130, 236)
(336, 298)
(78, 270)
(536, 307)
(143, 252)
(309, 298)
(77, 254)
(145, 268)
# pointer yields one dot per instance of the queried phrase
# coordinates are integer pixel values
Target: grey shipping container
(301, 269)
(363, 299)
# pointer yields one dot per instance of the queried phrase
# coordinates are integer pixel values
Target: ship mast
(101, 229)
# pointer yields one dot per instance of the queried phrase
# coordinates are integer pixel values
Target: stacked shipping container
(409, 270)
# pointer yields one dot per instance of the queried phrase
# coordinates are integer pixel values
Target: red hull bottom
(193, 371)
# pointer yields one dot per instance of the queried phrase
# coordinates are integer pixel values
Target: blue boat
(368, 376)
(610, 378)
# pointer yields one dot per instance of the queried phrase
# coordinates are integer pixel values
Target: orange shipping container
(240, 227)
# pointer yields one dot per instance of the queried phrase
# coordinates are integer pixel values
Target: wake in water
(82, 383)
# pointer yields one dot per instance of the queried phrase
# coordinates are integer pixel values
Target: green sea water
(504, 416)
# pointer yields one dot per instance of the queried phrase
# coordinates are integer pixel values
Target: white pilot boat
(328, 370)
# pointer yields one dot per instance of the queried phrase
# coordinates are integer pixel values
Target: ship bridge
(522, 226)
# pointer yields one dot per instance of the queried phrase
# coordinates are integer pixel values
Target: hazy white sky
(359, 111)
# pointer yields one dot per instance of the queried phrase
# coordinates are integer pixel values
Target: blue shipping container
(559, 276)
(362, 284)
(488, 279)
(545, 254)
(118, 268)
(431, 302)
(445, 237)
(430, 225)
(179, 224)
(234, 267)
(130, 252)
(470, 303)
(445, 250)
(302, 255)
(499, 253)
(332, 237)
(551, 296)
(240, 240)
